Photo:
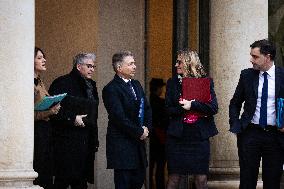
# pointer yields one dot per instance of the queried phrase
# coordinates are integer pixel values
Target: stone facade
(105, 27)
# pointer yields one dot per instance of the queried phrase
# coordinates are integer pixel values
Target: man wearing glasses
(75, 126)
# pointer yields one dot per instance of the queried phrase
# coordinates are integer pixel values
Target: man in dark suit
(129, 122)
(258, 137)
(75, 126)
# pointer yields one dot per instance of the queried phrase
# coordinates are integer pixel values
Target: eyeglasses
(90, 66)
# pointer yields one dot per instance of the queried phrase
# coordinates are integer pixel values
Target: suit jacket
(175, 111)
(124, 149)
(247, 93)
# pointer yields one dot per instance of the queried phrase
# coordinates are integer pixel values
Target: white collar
(271, 71)
(125, 80)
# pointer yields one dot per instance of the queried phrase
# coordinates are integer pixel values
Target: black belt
(267, 128)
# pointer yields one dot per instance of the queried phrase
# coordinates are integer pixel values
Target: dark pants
(129, 179)
(160, 174)
(44, 181)
(63, 183)
(253, 144)
(158, 158)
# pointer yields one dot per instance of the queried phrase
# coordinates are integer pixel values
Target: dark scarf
(36, 81)
(88, 85)
(89, 89)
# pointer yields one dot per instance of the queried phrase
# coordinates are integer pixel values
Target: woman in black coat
(188, 147)
(42, 163)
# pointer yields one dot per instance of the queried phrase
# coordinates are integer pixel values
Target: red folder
(196, 88)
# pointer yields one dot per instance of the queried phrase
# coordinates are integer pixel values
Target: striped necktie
(131, 89)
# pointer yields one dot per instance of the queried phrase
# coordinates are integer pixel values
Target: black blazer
(247, 93)
(124, 149)
(206, 124)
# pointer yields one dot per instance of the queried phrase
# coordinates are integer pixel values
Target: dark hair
(38, 49)
(117, 58)
(266, 47)
(155, 84)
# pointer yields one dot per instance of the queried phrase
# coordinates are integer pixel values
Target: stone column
(234, 26)
(16, 94)
(180, 28)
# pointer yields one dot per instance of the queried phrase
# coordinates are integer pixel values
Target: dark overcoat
(124, 149)
(74, 147)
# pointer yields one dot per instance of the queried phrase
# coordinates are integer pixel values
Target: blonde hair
(191, 58)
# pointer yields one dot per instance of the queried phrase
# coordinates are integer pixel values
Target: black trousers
(158, 158)
(64, 183)
(44, 181)
(129, 178)
(255, 144)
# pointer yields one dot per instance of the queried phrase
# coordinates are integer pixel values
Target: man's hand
(145, 133)
(79, 120)
(186, 104)
(281, 130)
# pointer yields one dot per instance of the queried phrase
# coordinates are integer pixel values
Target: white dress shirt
(271, 111)
(133, 91)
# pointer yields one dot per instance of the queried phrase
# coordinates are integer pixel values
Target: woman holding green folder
(42, 163)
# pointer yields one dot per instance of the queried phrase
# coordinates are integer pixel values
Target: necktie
(263, 107)
(131, 89)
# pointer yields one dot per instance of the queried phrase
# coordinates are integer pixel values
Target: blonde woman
(188, 148)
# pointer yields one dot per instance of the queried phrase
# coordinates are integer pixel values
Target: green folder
(49, 101)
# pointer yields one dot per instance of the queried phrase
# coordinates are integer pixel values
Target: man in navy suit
(129, 123)
(257, 135)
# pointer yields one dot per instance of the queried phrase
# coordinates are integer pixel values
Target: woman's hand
(145, 133)
(55, 109)
(186, 104)
(44, 115)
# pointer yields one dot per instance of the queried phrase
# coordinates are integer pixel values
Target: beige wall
(193, 24)
(66, 27)
(160, 36)
(159, 41)
(63, 29)
(121, 27)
